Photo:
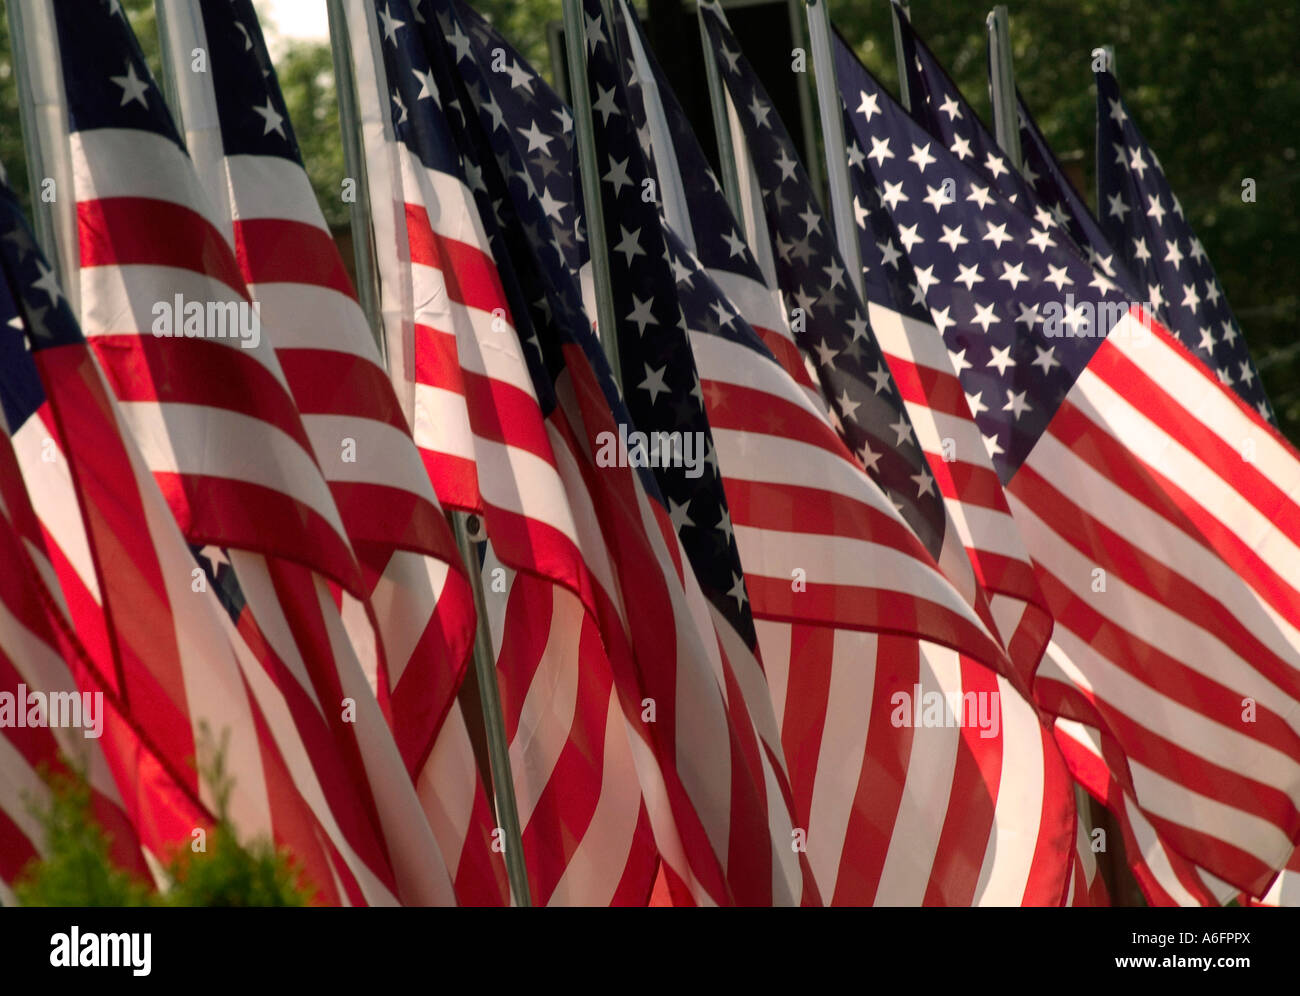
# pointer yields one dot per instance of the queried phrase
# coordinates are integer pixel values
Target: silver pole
(354, 161)
(575, 40)
(42, 214)
(1006, 119)
(171, 95)
(837, 169)
(721, 122)
(901, 9)
(493, 720)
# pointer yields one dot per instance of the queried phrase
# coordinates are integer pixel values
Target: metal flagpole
(467, 528)
(42, 111)
(354, 161)
(837, 160)
(900, 9)
(1006, 119)
(575, 40)
(721, 121)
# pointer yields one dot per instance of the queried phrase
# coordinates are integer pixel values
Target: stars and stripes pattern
(713, 706)
(245, 149)
(831, 676)
(154, 639)
(1155, 506)
(1144, 219)
(482, 431)
(216, 423)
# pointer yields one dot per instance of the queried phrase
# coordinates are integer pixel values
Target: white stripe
(166, 435)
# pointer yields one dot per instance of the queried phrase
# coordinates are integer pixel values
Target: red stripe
(278, 250)
(126, 231)
(470, 274)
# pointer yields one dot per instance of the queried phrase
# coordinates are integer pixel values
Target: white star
(1155, 211)
(133, 88)
(847, 405)
(1045, 359)
(959, 361)
(968, 275)
(1117, 206)
(869, 457)
(1140, 250)
(997, 234)
(984, 317)
(1207, 340)
(48, 283)
(654, 382)
(961, 147)
(924, 482)
(1029, 316)
(889, 252)
(869, 107)
(760, 112)
(390, 25)
(519, 77)
(1174, 255)
(1014, 275)
(605, 103)
(992, 445)
(950, 107)
(953, 238)
(942, 321)
(810, 218)
(902, 429)
(630, 245)
(397, 99)
(921, 157)
(907, 235)
(1057, 276)
(936, 197)
(1137, 163)
(996, 165)
(537, 139)
(428, 87)
(925, 279)
(617, 175)
(735, 244)
(980, 195)
(680, 514)
(738, 591)
(1040, 240)
(551, 206)
(893, 194)
(787, 166)
(880, 378)
(1117, 111)
(825, 355)
(641, 313)
(880, 151)
(975, 402)
(1001, 359)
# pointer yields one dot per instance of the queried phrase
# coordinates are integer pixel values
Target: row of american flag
(1022, 460)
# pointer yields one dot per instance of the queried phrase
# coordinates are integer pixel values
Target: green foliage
(77, 869)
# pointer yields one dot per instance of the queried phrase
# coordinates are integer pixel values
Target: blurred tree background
(1211, 83)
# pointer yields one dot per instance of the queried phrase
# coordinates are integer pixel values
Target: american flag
(1144, 219)
(38, 649)
(721, 710)
(666, 401)
(483, 434)
(150, 246)
(938, 106)
(1154, 504)
(832, 670)
(244, 148)
(152, 638)
(1053, 188)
